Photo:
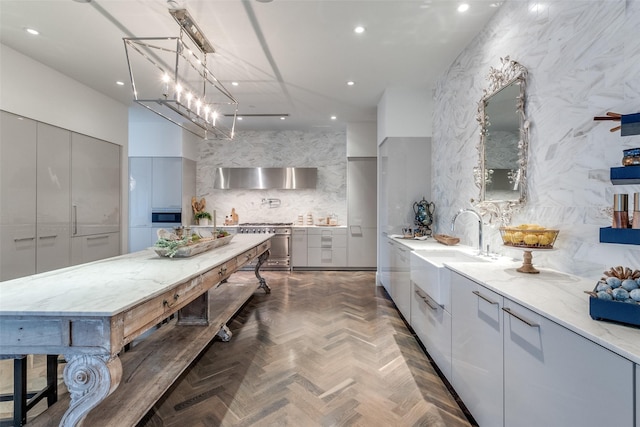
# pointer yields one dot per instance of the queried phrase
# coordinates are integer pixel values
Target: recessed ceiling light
(463, 7)
(234, 83)
(32, 31)
(359, 29)
(239, 118)
(496, 4)
(537, 7)
(282, 118)
(119, 83)
(333, 117)
(350, 83)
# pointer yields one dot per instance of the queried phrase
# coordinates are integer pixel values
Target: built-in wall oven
(280, 252)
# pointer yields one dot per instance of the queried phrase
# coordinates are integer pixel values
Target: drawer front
(140, 318)
(246, 257)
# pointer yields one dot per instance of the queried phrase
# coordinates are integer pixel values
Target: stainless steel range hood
(265, 178)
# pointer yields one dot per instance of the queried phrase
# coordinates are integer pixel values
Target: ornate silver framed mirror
(504, 142)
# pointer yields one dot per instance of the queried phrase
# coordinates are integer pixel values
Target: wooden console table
(91, 311)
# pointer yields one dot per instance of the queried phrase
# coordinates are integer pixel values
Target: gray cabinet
(299, 256)
(18, 142)
(94, 247)
(327, 247)
(53, 198)
(95, 186)
(361, 211)
(34, 229)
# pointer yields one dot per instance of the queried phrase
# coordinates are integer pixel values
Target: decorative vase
(203, 221)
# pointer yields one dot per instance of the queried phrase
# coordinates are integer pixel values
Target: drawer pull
(490, 301)
(427, 300)
(24, 239)
(520, 318)
(53, 236)
(222, 271)
(97, 237)
(168, 304)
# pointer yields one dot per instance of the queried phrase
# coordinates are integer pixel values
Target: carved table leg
(90, 379)
(261, 260)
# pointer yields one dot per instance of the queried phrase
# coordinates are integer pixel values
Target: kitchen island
(90, 312)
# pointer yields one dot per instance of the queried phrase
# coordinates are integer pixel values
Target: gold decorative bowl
(532, 238)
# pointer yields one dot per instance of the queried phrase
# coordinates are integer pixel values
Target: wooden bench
(153, 365)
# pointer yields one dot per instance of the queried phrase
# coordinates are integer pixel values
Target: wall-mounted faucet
(477, 215)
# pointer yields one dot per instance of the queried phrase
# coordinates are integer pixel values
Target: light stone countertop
(552, 294)
(112, 285)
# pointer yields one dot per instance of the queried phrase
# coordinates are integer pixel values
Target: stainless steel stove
(280, 252)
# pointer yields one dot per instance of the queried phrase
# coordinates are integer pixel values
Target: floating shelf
(625, 175)
(626, 236)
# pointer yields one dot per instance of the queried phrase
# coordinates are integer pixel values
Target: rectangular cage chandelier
(169, 76)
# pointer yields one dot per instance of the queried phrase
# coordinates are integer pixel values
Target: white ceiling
(288, 56)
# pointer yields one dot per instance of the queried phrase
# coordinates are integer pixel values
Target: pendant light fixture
(169, 76)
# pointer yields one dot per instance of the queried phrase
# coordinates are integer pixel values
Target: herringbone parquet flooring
(323, 349)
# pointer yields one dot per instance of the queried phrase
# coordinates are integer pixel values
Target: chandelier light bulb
(206, 113)
(189, 98)
(198, 105)
(178, 92)
(165, 86)
(214, 116)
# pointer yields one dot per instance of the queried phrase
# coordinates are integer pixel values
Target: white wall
(31, 89)
(404, 112)
(583, 59)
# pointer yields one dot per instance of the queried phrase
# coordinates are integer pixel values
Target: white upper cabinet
(167, 184)
(95, 186)
(140, 177)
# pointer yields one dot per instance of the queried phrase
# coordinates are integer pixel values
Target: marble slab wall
(583, 58)
(325, 150)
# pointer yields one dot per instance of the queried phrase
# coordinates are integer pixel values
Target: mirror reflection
(501, 162)
(504, 141)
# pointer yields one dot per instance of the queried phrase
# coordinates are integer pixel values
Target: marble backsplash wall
(583, 58)
(325, 150)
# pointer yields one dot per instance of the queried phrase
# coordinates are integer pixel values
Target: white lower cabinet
(556, 378)
(299, 257)
(476, 350)
(384, 263)
(327, 247)
(432, 324)
(92, 248)
(401, 280)
(637, 395)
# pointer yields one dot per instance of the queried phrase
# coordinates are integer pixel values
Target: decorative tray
(446, 240)
(191, 249)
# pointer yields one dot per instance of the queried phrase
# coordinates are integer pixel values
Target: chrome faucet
(471, 211)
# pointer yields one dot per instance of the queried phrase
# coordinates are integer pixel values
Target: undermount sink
(430, 274)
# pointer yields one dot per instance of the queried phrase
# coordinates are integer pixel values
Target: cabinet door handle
(24, 239)
(97, 237)
(53, 236)
(490, 301)
(520, 318)
(75, 220)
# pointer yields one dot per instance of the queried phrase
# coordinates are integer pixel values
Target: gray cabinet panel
(53, 198)
(95, 186)
(167, 183)
(18, 141)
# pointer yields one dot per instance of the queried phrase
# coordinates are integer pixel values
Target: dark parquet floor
(323, 349)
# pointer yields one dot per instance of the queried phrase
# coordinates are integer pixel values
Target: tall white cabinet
(404, 177)
(361, 211)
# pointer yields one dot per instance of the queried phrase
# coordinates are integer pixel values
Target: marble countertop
(112, 285)
(553, 294)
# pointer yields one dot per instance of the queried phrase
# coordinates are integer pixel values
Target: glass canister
(631, 157)
(620, 211)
